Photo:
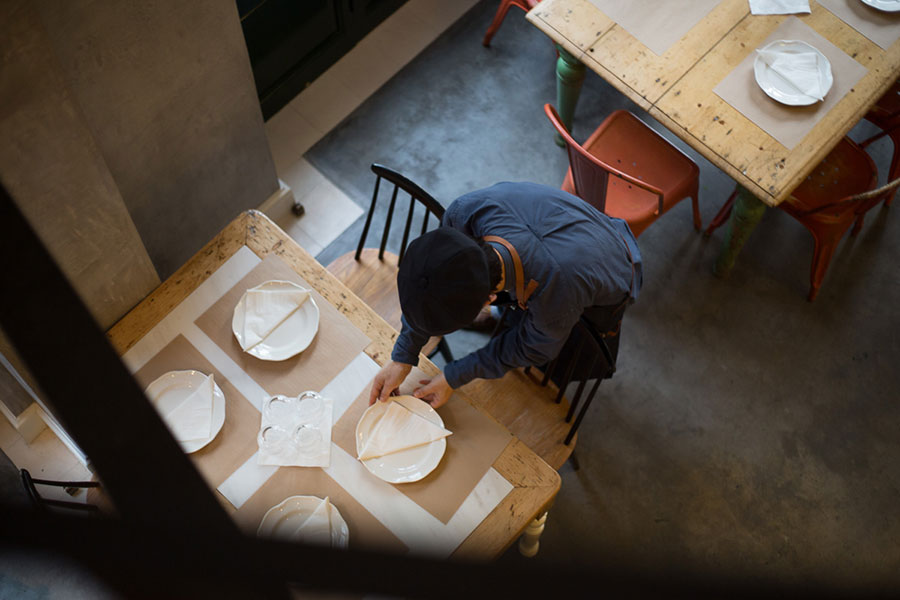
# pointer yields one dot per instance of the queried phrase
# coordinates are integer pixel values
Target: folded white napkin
(311, 448)
(316, 529)
(778, 7)
(266, 309)
(399, 429)
(798, 69)
(192, 418)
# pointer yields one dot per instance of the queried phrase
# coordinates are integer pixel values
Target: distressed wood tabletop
(534, 482)
(676, 88)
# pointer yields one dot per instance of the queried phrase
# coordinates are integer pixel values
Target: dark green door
(291, 42)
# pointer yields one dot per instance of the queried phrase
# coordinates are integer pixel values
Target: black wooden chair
(44, 504)
(579, 360)
(585, 356)
(372, 273)
(532, 403)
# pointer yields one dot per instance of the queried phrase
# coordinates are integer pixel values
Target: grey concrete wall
(167, 90)
(51, 165)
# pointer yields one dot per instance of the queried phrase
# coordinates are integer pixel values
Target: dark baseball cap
(443, 281)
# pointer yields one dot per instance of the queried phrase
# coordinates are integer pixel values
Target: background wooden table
(676, 88)
(535, 483)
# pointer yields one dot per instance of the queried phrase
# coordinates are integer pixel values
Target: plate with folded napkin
(793, 72)
(192, 405)
(275, 320)
(885, 5)
(401, 440)
(306, 519)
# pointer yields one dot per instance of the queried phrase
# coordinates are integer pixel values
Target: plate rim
(293, 350)
(759, 66)
(344, 538)
(440, 445)
(218, 402)
(878, 5)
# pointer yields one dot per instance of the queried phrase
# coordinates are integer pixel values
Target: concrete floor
(747, 431)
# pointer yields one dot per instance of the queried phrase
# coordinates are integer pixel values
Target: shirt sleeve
(408, 345)
(528, 344)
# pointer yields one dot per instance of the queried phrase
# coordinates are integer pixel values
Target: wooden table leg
(531, 539)
(569, 78)
(747, 211)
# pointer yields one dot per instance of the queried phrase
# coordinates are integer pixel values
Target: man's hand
(434, 391)
(388, 380)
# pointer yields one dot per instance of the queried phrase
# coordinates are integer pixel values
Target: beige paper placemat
(654, 23)
(366, 532)
(476, 443)
(236, 442)
(788, 124)
(337, 341)
(880, 26)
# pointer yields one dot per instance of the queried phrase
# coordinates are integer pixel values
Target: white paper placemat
(656, 24)
(788, 124)
(881, 27)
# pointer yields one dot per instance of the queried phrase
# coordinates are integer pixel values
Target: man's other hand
(435, 391)
(388, 380)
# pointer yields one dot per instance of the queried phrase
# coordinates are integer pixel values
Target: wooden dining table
(699, 84)
(488, 490)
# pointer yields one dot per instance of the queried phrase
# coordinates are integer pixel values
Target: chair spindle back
(416, 194)
(588, 349)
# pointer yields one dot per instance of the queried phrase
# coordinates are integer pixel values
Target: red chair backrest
(589, 174)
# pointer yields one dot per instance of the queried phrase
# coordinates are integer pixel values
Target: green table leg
(569, 78)
(745, 215)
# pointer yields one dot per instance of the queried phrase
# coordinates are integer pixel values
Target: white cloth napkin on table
(399, 429)
(264, 310)
(798, 69)
(316, 529)
(192, 418)
(778, 7)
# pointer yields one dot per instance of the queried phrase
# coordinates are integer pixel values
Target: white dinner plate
(168, 391)
(292, 336)
(777, 87)
(407, 465)
(885, 5)
(282, 520)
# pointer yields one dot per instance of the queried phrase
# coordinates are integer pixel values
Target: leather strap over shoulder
(523, 292)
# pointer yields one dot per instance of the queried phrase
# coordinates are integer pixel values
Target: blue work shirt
(580, 258)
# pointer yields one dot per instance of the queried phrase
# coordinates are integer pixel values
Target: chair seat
(625, 142)
(375, 282)
(624, 201)
(844, 172)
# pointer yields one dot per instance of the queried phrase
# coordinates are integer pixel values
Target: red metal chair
(834, 197)
(886, 116)
(525, 5)
(627, 170)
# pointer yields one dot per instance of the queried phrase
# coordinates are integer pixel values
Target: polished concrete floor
(747, 431)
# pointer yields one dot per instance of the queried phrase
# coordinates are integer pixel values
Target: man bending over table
(552, 254)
